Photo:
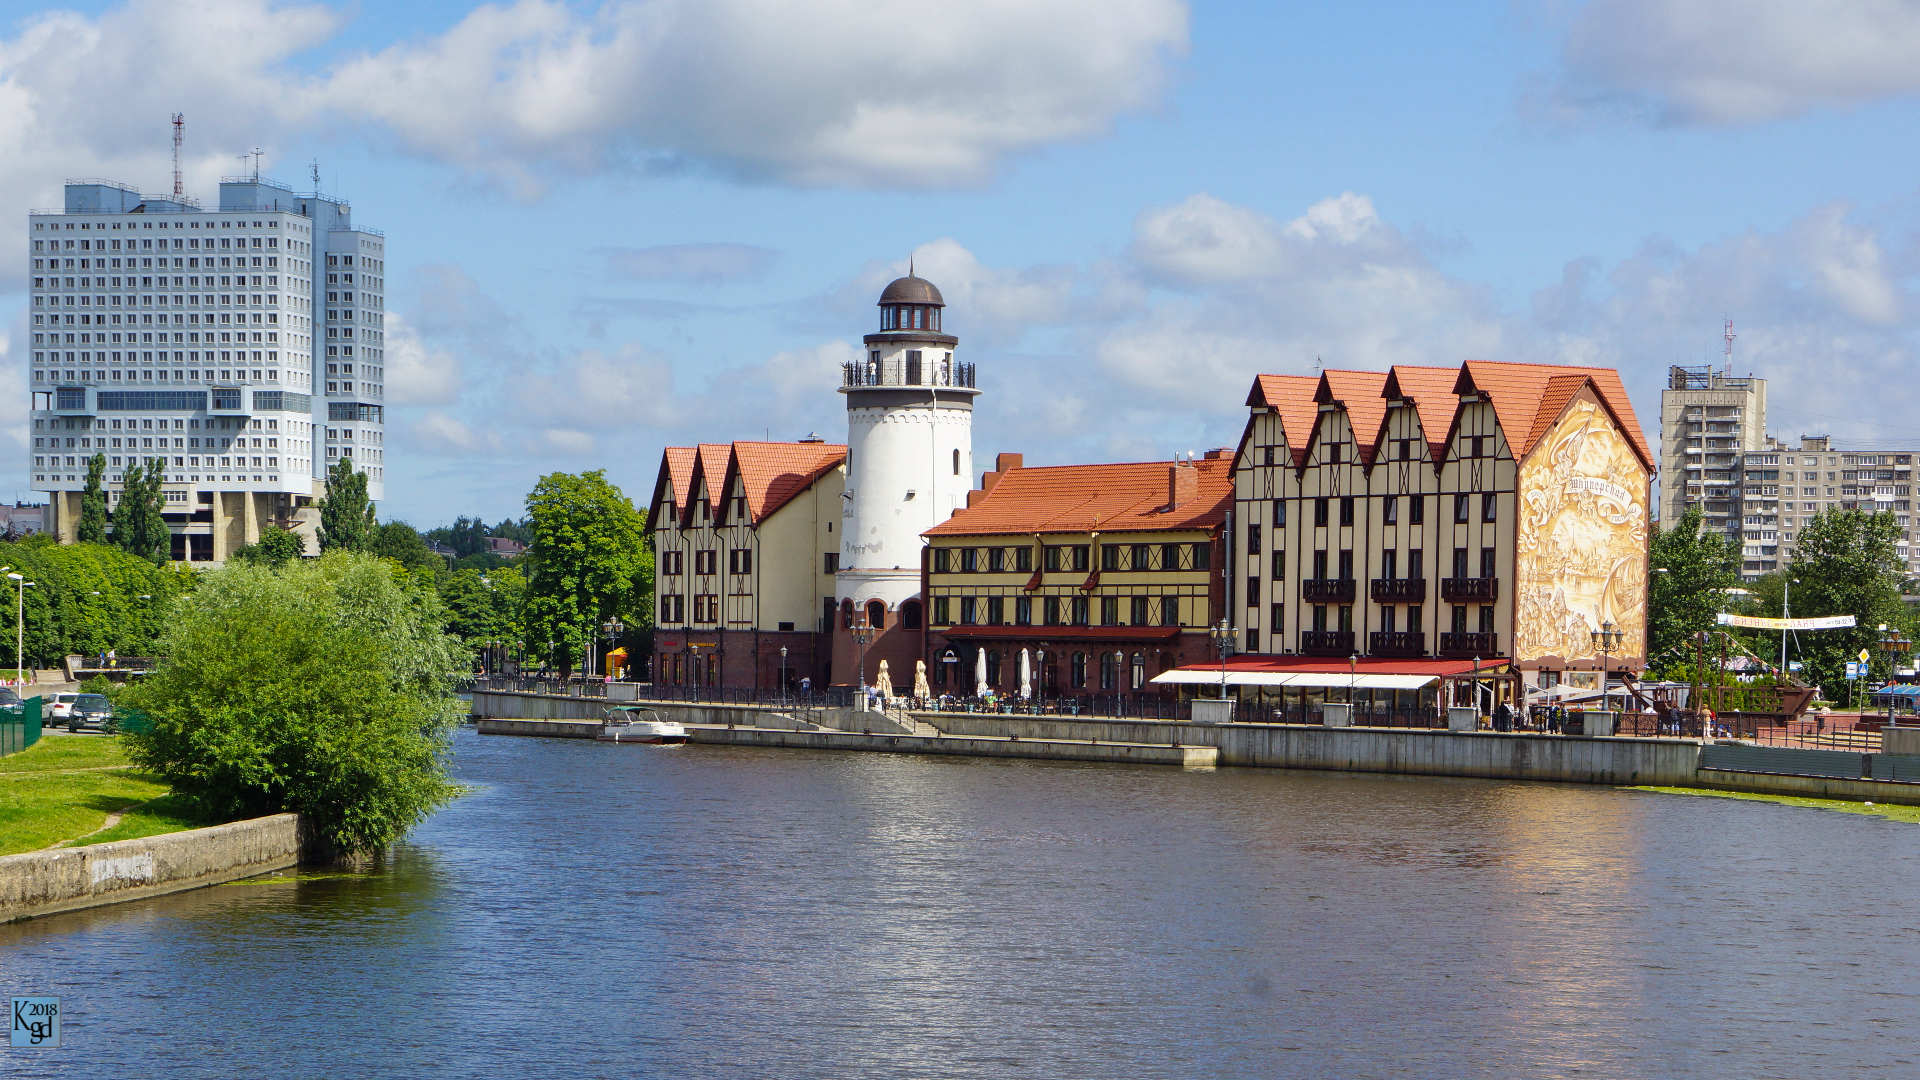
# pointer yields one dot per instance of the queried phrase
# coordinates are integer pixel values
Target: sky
(623, 226)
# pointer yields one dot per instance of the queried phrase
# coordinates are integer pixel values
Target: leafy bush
(323, 688)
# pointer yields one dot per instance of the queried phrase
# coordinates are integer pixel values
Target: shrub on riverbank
(322, 687)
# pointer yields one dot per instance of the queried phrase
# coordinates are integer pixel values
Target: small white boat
(629, 724)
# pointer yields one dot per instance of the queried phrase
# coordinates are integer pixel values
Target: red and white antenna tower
(1729, 335)
(179, 121)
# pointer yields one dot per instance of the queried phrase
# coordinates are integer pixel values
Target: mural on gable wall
(1582, 540)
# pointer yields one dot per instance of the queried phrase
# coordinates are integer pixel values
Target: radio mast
(179, 189)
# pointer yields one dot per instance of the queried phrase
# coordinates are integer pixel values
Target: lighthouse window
(956, 463)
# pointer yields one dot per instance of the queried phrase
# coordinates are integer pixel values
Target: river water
(623, 911)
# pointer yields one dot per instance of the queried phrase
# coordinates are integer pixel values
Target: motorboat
(631, 724)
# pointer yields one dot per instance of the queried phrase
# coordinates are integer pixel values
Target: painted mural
(1582, 540)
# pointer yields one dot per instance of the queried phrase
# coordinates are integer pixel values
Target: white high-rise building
(243, 346)
(909, 467)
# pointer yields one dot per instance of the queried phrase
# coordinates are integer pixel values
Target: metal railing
(930, 373)
(1470, 588)
(1399, 590)
(1327, 590)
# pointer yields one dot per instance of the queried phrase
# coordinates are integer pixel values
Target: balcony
(1485, 646)
(1397, 643)
(1326, 642)
(1327, 591)
(1399, 590)
(1468, 589)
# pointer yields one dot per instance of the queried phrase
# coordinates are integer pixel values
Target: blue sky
(650, 222)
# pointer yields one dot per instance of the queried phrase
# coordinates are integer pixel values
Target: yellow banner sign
(1753, 622)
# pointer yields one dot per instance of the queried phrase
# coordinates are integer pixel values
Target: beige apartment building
(1494, 512)
(745, 556)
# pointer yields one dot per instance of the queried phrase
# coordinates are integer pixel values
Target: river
(594, 910)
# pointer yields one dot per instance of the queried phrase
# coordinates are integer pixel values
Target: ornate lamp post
(1606, 639)
(612, 629)
(1224, 637)
(783, 675)
(1893, 644)
(862, 634)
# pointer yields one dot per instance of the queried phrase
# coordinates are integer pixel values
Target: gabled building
(745, 556)
(1493, 511)
(1105, 575)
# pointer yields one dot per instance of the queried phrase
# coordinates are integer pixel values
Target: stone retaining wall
(67, 879)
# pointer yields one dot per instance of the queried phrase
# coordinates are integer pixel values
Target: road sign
(1864, 656)
(1853, 670)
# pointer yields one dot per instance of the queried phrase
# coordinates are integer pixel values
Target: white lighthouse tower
(909, 467)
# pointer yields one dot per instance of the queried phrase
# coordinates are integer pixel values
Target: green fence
(19, 731)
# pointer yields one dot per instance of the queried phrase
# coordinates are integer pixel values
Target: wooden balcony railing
(1399, 590)
(1327, 591)
(1326, 642)
(1466, 589)
(1396, 643)
(1481, 645)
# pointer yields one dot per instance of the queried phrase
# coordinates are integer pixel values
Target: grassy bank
(65, 786)
(1910, 814)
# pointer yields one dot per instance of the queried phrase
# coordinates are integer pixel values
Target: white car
(61, 707)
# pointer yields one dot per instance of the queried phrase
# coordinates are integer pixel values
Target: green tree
(466, 536)
(93, 502)
(346, 513)
(1690, 571)
(398, 541)
(484, 605)
(323, 688)
(589, 561)
(1845, 563)
(140, 524)
(86, 599)
(276, 548)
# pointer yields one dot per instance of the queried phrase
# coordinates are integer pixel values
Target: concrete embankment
(45, 882)
(1809, 787)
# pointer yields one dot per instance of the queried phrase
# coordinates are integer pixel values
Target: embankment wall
(68, 879)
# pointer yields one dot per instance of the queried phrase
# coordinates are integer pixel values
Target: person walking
(1503, 717)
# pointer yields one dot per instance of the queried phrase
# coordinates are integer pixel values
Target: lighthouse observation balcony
(907, 373)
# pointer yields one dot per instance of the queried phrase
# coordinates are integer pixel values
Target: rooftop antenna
(256, 164)
(314, 171)
(179, 122)
(1729, 338)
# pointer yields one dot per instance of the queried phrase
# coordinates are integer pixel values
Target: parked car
(89, 712)
(10, 702)
(58, 707)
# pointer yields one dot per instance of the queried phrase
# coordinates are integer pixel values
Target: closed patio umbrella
(884, 681)
(920, 688)
(1026, 675)
(980, 672)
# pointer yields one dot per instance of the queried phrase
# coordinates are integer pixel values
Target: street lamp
(1786, 612)
(1892, 643)
(1606, 639)
(612, 628)
(1224, 638)
(862, 635)
(783, 674)
(19, 625)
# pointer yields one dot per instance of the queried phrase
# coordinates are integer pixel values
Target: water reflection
(702, 912)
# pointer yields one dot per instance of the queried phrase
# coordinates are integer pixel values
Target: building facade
(1104, 576)
(1494, 512)
(1708, 422)
(1782, 486)
(909, 466)
(745, 546)
(242, 348)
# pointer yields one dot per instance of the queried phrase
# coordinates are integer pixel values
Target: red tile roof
(774, 472)
(1519, 395)
(676, 478)
(1292, 397)
(1359, 393)
(1431, 391)
(1129, 497)
(1526, 398)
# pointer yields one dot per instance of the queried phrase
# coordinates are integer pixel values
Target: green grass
(64, 786)
(1891, 812)
(162, 815)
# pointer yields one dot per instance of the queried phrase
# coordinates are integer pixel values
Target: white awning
(1304, 679)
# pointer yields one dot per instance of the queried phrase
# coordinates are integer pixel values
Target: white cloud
(1711, 62)
(415, 373)
(520, 93)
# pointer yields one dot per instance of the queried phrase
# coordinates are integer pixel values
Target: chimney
(1002, 465)
(1183, 484)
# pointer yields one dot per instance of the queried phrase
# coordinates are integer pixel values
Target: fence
(19, 731)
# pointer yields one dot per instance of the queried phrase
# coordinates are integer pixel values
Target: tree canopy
(398, 541)
(323, 688)
(86, 599)
(589, 561)
(139, 522)
(346, 513)
(1690, 571)
(93, 503)
(1844, 563)
(275, 548)
(484, 605)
